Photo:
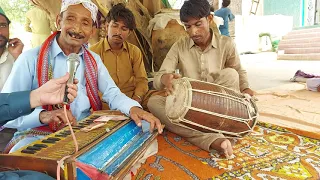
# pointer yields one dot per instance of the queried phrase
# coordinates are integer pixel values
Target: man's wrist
(41, 115)
(34, 99)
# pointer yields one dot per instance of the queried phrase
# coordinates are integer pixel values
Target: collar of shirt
(56, 49)
(107, 46)
(4, 56)
(214, 42)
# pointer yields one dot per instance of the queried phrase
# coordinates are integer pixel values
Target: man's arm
(230, 15)
(169, 65)
(140, 74)
(21, 79)
(233, 61)
(14, 105)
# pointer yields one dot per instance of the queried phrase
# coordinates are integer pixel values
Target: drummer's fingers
(169, 89)
(176, 76)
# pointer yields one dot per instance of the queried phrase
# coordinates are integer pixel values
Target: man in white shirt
(10, 53)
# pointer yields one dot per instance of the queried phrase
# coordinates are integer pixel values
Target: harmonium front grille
(116, 144)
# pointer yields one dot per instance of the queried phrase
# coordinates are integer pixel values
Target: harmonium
(108, 151)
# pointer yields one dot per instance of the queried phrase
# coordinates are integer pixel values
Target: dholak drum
(211, 108)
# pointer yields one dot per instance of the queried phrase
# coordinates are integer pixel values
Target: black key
(61, 135)
(34, 148)
(84, 124)
(40, 145)
(54, 139)
(66, 133)
(27, 151)
(48, 141)
(76, 127)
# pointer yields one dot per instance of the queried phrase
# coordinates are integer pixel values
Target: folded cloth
(301, 76)
(313, 84)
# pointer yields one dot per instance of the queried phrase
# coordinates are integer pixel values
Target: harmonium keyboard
(109, 151)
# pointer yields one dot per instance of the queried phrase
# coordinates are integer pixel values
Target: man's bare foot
(223, 145)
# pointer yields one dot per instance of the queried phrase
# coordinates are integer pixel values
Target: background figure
(39, 23)
(225, 13)
(10, 49)
(123, 60)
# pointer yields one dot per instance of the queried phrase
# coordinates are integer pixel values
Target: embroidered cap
(88, 4)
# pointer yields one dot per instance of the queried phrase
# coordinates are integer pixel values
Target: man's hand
(166, 80)
(52, 92)
(248, 91)
(58, 116)
(15, 47)
(318, 88)
(136, 98)
(138, 114)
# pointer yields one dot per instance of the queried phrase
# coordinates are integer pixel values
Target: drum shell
(211, 108)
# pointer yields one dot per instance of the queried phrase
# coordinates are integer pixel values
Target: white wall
(248, 28)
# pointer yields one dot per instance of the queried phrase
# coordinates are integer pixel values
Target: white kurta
(6, 63)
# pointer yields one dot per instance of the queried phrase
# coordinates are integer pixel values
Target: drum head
(177, 104)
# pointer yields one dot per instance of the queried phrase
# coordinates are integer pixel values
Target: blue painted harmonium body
(108, 151)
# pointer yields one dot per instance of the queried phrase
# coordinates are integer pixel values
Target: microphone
(72, 63)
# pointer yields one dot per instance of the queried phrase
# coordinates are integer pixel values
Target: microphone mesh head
(73, 57)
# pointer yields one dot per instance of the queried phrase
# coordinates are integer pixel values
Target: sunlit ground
(265, 71)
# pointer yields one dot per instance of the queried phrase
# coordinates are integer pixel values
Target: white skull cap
(88, 4)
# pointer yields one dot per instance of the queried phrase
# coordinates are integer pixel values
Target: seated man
(204, 56)
(21, 103)
(36, 66)
(7, 54)
(123, 60)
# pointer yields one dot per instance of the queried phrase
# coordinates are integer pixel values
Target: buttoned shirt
(199, 64)
(126, 68)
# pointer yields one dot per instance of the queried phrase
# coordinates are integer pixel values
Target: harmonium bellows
(110, 150)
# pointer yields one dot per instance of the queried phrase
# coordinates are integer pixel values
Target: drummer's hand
(138, 114)
(166, 80)
(248, 91)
